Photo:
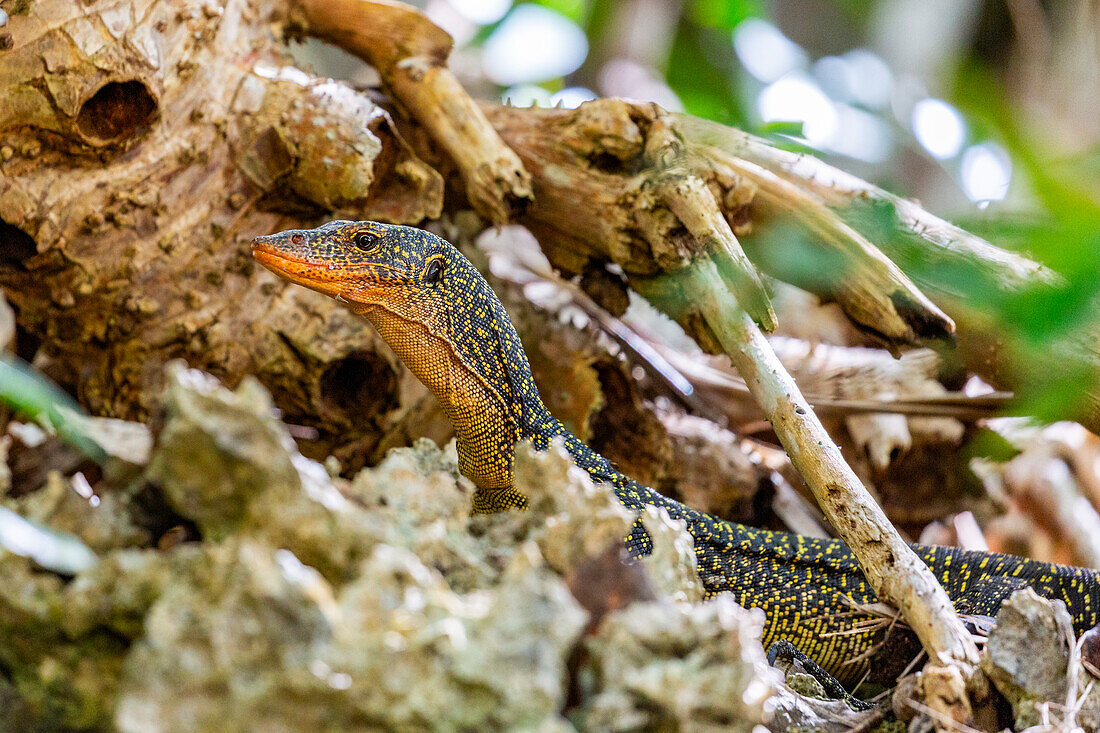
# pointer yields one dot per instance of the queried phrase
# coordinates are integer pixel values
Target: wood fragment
(870, 288)
(410, 52)
(598, 178)
(838, 188)
(1042, 485)
(679, 188)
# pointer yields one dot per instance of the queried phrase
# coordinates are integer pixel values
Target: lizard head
(364, 264)
(440, 317)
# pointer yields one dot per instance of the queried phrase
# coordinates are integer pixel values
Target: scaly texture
(445, 322)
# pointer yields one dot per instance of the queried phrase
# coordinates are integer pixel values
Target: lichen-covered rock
(1027, 654)
(677, 666)
(492, 658)
(257, 641)
(64, 680)
(225, 461)
(569, 517)
(230, 642)
(314, 603)
(671, 565)
(573, 519)
(103, 523)
(423, 504)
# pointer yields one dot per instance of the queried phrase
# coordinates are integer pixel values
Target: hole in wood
(606, 162)
(360, 386)
(16, 246)
(118, 111)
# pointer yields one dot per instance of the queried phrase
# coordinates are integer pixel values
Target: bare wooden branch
(678, 187)
(410, 52)
(871, 286)
(594, 205)
(898, 576)
(835, 187)
(930, 246)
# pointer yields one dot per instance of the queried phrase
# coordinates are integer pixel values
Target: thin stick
(893, 570)
(410, 53)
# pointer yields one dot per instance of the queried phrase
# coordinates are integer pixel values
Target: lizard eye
(365, 241)
(433, 273)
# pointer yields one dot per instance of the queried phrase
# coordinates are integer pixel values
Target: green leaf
(991, 445)
(30, 395)
(723, 14)
(700, 72)
(793, 128)
(575, 10)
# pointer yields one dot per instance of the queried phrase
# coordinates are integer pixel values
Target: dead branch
(898, 576)
(931, 246)
(679, 189)
(609, 210)
(410, 52)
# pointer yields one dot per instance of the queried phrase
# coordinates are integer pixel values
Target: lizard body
(443, 320)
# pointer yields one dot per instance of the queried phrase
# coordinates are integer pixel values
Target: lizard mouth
(297, 269)
(268, 253)
(265, 254)
(363, 291)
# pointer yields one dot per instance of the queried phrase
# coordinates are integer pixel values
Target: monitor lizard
(445, 322)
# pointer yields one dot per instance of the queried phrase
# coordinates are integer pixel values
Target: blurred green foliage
(32, 396)
(722, 14)
(691, 74)
(575, 10)
(1063, 233)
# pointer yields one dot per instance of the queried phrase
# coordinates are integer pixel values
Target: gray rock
(225, 461)
(677, 666)
(258, 641)
(1027, 654)
(313, 603)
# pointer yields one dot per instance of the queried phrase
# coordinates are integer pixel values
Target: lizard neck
(483, 421)
(471, 358)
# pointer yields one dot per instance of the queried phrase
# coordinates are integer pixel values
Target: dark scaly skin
(448, 326)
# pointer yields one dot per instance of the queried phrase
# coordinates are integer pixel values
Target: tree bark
(145, 144)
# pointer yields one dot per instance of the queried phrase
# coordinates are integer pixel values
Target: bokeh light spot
(526, 95)
(622, 77)
(797, 98)
(482, 12)
(533, 44)
(572, 97)
(985, 172)
(938, 127)
(872, 82)
(765, 52)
